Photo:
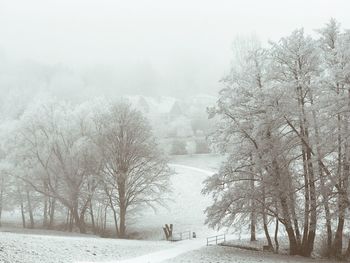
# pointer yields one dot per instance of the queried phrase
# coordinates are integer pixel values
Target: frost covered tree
(134, 171)
(57, 156)
(75, 163)
(284, 115)
(243, 113)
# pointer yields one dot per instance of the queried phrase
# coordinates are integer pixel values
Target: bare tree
(60, 157)
(134, 170)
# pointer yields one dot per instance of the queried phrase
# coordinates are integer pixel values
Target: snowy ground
(174, 250)
(33, 248)
(218, 254)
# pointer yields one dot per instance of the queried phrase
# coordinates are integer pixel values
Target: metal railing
(216, 239)
(181, 236)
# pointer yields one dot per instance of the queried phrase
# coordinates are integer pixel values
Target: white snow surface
(33, 248)
(220, 254)
(190, 168)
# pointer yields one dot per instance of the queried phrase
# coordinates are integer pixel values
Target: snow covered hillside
(185, 206)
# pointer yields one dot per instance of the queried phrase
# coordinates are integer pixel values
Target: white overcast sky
(169, 35)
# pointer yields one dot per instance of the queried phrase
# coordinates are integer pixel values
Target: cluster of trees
(74, 164)
(284, 123)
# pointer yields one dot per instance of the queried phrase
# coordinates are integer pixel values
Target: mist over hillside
(215, 131)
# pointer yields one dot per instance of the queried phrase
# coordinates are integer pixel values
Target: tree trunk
(45, 212)
(324, 191)
(310, 216)
(252, 201)
(122, 223)
(347, 254)
(115, 217)
(52, 212)
(252, 226)
(105, 219)
(67, 219)
(309, 246)
(30, 210)
(265, 223)
(92, 218)
(122, 206)
(282, 195)
(294, 248)
(327, 213)
(46, 200)
(294, 217)
(22, 211)
(307, 198)
(338, 239)
(71, 221)
(276, 235)
(79, 221)
(267, 234)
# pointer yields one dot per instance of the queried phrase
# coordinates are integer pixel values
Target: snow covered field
(186, 205)
(33, 248)
(219, 254)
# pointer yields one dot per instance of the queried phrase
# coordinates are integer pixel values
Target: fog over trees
(215, 122)
(70, 161)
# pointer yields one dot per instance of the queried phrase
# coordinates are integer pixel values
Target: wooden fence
(216, 239)
(181, 236)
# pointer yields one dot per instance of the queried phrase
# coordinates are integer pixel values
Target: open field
(220, 254)
(50, 248)
(47, 247)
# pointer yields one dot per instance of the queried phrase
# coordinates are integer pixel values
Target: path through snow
(177, 249)
(191, 168)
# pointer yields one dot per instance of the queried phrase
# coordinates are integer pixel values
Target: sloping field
(185, 206)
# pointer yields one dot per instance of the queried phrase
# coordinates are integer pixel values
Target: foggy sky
(156, 47)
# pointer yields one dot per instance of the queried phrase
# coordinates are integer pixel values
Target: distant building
(176, 110)
(142, 105)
